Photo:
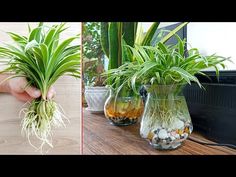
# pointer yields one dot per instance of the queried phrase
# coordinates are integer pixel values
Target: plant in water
(42, 58)
(122, 65)
(113, 35)
(171, 65)
(164, 70)
(123, 106)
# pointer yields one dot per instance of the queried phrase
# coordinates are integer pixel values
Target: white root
(39, 119)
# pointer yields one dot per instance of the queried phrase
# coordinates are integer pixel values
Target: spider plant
(172, 64)
(120, 78)
(164, 70)
(123, 64)
(42, 58)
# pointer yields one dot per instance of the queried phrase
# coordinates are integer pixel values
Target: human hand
(17, 88)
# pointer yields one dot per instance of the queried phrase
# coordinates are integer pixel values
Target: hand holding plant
(41, 58)
(17, 87)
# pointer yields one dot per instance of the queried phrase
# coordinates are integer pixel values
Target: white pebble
(162, 134)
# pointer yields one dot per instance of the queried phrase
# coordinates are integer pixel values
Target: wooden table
(65, 140)
(100, 137)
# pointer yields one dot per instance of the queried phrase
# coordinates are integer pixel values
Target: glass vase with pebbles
(166, 122)
(124, 108)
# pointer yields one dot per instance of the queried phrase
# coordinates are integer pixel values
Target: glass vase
(166, 121)
(124, 108)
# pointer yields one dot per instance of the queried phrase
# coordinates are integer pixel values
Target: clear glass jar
(123, 109)
(166, 121)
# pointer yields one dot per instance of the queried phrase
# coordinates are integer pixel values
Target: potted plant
(164, 70)
(124, 106)
(95, 91)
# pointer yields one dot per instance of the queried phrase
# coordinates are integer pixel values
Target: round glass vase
(124, 108)
(166, 121)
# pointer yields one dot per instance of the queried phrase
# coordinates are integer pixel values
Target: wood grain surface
(65, 140)
(100, 137)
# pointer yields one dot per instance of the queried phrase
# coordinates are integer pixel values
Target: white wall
(217, 37)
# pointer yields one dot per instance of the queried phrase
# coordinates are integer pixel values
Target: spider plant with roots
(164, 70)
(42, 58)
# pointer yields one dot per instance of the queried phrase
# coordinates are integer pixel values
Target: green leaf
(45, 55)
(217, 73)
(136, 55)
(104, 38)
(158, 77)
(126, 53)
(180, 45)
(139, 34)
(54, 59)
(187, 76)
(129, 30)
(143, 53)
(29, 28)
(162, 47)
(170, 34)
(150, 33)
(114, 45)
(20, 40)
(50, 36)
